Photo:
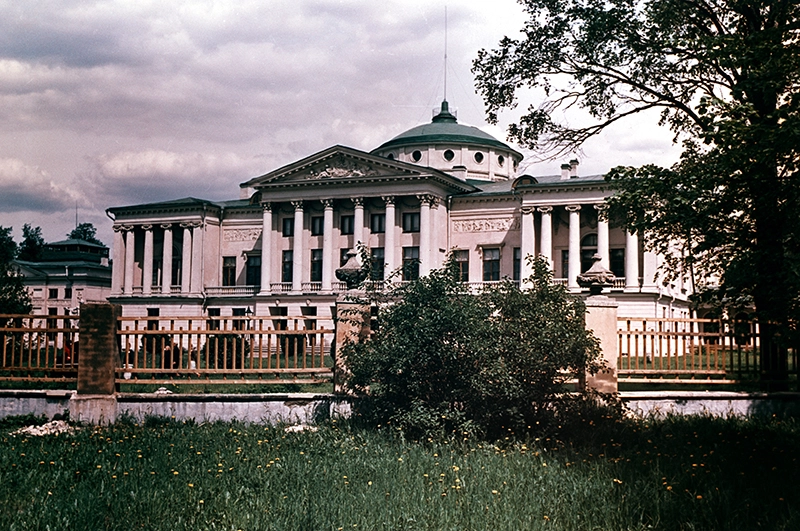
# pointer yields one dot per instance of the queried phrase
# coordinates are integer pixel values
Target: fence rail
(39, 348)
(709, 351)
(225, 350)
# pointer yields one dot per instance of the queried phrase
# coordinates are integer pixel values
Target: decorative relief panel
(341, 167)
(486, 225)
(241, 235)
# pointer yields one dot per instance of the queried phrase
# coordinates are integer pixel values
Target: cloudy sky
(110, 103)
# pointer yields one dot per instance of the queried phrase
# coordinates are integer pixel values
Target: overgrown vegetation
(679, 473)
(444, 361)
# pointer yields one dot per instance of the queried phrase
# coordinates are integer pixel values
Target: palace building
(437, 189)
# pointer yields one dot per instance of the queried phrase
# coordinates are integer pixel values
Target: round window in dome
(501, 160)
(449, 155)
(478, 157)
(416, 156)
(390, 156)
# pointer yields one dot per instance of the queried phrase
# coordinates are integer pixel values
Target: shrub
(446, 361)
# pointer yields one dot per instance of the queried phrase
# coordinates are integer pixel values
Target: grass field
(680, 473)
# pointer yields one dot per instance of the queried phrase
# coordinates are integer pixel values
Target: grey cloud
(23, 187)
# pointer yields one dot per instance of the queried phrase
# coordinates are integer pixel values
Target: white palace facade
(435, 189)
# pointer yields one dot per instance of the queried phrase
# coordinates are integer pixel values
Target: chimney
(565, 169)
(573, 168)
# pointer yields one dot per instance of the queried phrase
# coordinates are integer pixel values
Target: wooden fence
(225, 350)
(38, 348)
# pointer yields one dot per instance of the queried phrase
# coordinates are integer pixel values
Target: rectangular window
(378, 262)
(253, 270)
(213, 324)
(410, 263)
(491, 264)
(156, 280)
(617, 262)
(228, 270)
(317, 225)
(377, 223)
(152, 324)
(347, 224)
(316, 265)
(240, 319)
(287, 227)
(461, 258)
(68, 293)
(177, 271)
(410, 221)
(52, 293)
(343, 256)
(517, 263)
(287, 266)
(565, 264)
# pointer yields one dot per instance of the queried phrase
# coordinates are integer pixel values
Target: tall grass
(678, 473)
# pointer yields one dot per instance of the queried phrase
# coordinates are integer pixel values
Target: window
(317, 225)
(565, 264)
(479, 157)
(240, 319)
(68, 293)
(501, 160)
(346, 224)
(52, 293)
(410, 263)
(491, 264)
(152, 324)
(377, 223)
(213, 324)
(156, 280)
(253, 270)
(410, 221)
(461, 258)
(177, 271)
(617, 262)
(517, 263)
(316, 265)
(588, 250)
(287, 227)
(449, 155)
(228, 270)
(287, 266)
(416, 156)
(378, 263)
(343, 256)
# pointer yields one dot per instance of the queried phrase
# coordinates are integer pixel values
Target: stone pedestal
(93, 409)
(98, 348)
(601, 319)
(352, 325)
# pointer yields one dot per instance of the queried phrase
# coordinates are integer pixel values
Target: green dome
(444, 129)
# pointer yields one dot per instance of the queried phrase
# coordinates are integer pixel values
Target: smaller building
(69, 273)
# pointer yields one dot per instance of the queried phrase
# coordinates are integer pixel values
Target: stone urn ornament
(596, 277)
(351, 273)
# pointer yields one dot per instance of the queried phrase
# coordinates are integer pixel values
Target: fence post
(601, 319)
(352, 325)
(95, 401)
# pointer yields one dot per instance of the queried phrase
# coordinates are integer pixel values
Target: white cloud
(24, 187)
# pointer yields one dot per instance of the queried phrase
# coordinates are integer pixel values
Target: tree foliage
(14, 297)
(86, 232)
(725, 76)
(446, 361)
(32, 245)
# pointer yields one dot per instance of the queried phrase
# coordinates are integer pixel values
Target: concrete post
(601, 319)
(352, 325)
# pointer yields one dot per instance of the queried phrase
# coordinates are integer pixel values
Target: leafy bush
(446, 361)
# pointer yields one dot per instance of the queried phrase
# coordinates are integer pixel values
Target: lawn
(679, 473)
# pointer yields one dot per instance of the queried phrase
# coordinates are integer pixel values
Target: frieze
(241, 235)
(341, 167)
(486, 225)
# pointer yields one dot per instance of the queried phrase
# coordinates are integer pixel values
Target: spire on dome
(445, 116)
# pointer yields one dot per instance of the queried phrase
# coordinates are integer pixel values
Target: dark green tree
(14, 297)
(724, 74)
(32, 246)
(86, 232)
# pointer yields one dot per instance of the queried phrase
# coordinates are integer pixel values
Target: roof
(77, 242)
(444, 128)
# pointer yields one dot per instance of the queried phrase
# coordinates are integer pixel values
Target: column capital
(186, 224)
(357, 201)
(123, 228)
(165, 226)
(601, 207)
(327, 203)
(266, 206)
(545, 209)
(297, 205)
(388, 199)
(147, 226)
(527, 210)
(572, 208)
(427, 198)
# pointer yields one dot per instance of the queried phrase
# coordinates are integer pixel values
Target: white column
(147, 273)
(266, 247)
(166, 260)
(574, 245)
(425, 234)
(631, 261)
(327, 245)
(297, 247)
(358, 221)
(130, 245)
(546, 234)
(390, 237)
(602, 236)
(437, 230)
(186, 258)
(118, 268)
(528, 243)
(197, 258)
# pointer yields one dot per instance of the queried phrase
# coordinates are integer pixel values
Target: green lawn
(680, 473)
